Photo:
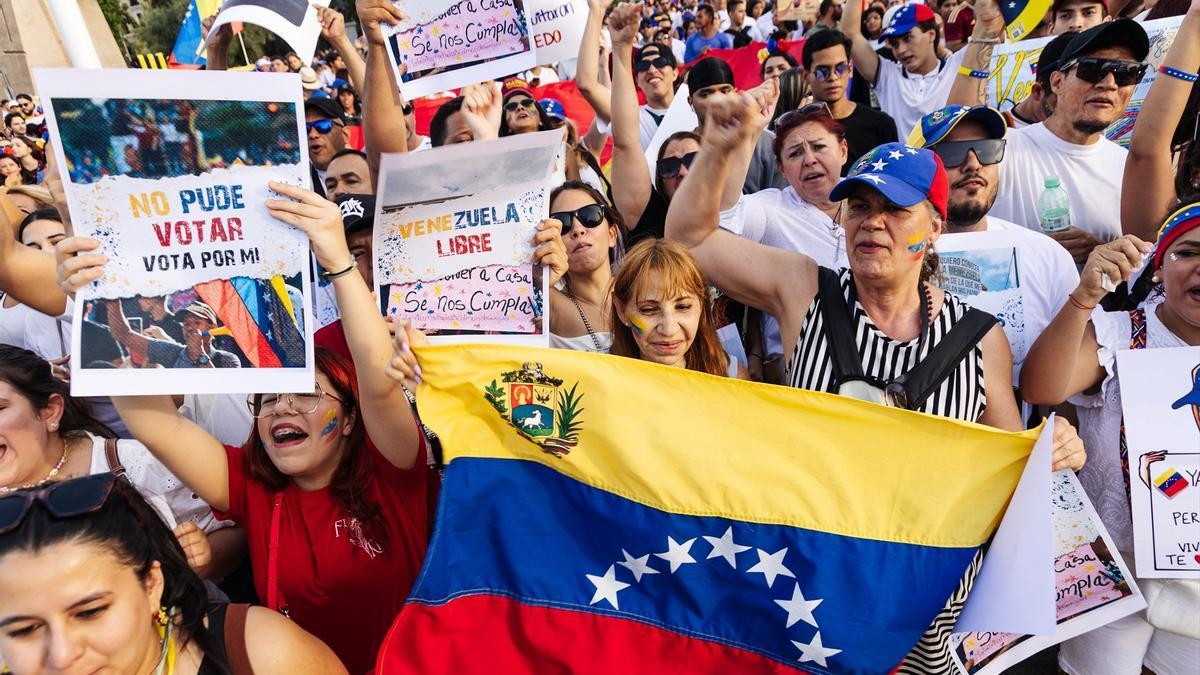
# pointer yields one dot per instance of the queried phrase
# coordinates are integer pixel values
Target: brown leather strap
(235, 639)
(114, 460)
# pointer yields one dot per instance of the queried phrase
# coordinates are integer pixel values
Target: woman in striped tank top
(895, 204)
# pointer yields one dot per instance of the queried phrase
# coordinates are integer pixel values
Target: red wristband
(1079, 305)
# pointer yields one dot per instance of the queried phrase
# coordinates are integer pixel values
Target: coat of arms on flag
(539, 407)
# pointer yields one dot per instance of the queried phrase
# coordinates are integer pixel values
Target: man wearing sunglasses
(971, 144)
(1094, 79)
(655, 74)
(826, 60)
(327, 134)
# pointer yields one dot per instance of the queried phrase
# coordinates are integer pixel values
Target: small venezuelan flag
(608, 515)
(1021, 17)
(1170, 483)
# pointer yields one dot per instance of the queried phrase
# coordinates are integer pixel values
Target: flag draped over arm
(602, 515)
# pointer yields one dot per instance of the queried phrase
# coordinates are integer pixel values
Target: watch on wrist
(203, 360)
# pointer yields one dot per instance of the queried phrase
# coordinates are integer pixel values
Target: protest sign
(1093, 587)
(557, 27)
(1014, 65)
(1160, 397)
(797, 10)
(169, 171)
(446, 44)
(454, 229)
(295, 21)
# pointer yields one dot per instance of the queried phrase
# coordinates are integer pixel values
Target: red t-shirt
(961, 24)
(342, 588)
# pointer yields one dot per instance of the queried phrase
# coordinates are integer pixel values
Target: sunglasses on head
(589, 216)
(67, 499)
(954, 153)
(823, 73)
(659, 62)
(322, 126)
(803, 111)
(516, 103)
(1093, 70)
(669, 167)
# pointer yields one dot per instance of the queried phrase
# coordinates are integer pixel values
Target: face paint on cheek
(639, 326)
(916, 245)
(331, 421)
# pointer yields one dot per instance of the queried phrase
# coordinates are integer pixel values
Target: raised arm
(765, 95)
(989, 31)
(381, 400)
(384, 127)
(587, 71)
(630, 175)
(333, 29)
(866, 61)
(216, 54)
(483, 106)
(118, 327)
(1148, 188)
(753, 274)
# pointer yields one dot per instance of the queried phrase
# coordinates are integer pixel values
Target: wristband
(977, 74)
(1178, 74)
(1077, 304)
(330, 276)
(983, 40)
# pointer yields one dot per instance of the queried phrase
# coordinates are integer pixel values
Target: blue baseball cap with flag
(905, 19)
(938, 124)
(902, 173)
(554, 108)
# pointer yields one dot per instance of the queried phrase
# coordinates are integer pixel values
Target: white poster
(454, 229)
(557, 28)
(205, 292)
(1093, 587)
(1160, 394)
(447, 44)
(984, 269)
(295, 21)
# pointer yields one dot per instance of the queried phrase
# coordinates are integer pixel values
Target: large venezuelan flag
(607, 515)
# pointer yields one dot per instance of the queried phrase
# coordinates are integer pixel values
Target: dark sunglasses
(516, 103)
(322, 126)
(67, 499)
(669, 167)
(954, 153)
(589, 216)
(659, 62)
(1093, 70)
(823, 73)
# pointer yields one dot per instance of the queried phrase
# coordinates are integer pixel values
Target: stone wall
(29, 39)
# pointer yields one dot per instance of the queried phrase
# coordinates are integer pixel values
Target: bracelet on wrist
(983, 40)
(977, 74)
(1077, 304)
(1178, 74)
(330, 276)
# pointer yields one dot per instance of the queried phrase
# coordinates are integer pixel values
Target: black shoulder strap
(839, 333)
(929, 374)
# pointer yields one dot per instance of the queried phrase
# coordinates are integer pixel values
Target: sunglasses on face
(658, 62)
(517, 103)
(670, 167)
(1093, 70)
(824, 73)
(67, 499)
(589, 216)
(954, 153)
(322, 126)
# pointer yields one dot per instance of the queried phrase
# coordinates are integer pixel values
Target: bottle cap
(1052, 182)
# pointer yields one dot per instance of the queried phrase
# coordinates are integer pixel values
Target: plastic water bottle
(1054, 206)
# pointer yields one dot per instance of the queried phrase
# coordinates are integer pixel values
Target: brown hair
(662, 151)
(612, 215)
(673, 264)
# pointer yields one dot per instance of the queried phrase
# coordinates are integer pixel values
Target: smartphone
(135, 323)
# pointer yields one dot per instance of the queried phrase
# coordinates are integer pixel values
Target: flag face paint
(916, 244)
(638, 324)
(330, 423)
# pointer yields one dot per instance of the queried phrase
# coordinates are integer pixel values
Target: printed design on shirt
(352, 529)
(990, 280)
(539, 407)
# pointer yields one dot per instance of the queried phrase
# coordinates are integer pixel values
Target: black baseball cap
(653, 50)
(1120, 33)
(1051, 54)
(358, 211)
(326, 107)
(708, 72)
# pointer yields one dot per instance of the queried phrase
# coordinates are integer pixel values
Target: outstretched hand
(483, 104)
(372, 14)
(733, 119)
(317, 217)
(623, 24)
(333, 24)
(77, 267)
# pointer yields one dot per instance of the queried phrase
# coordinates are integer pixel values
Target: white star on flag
(815, 651)
(638, 566)
(770, 565)
(798, 608)
(895, 154)
(607, 587)
(912, 151)
(878, 164)
(1012, 5)
(678, 554)
(725, 547)
(873, 178)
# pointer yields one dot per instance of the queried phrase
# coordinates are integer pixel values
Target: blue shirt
(174, 355)
(697, 42)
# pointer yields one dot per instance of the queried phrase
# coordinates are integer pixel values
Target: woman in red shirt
(337, 525)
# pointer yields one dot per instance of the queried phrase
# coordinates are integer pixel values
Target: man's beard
(1089, 127)
(964, 214)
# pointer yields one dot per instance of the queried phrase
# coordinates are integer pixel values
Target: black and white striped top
(960, 396)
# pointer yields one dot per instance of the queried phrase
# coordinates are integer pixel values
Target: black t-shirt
(866, 128)
(653, 222)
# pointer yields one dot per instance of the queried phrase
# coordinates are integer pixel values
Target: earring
(53, 426)
(161, 616)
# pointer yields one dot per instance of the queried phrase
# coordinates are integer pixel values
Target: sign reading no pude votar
(446, 44)
(454, 229)
(1160, 396)
(169, 172)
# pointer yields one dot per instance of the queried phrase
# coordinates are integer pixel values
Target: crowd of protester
(805, 212)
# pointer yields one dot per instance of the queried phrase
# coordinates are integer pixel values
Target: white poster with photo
(454, 229)
(984, 269)
(1093, 587)
(447, 44)
(294, 21)
(557, 27)
(1160, 395)
(204, 291)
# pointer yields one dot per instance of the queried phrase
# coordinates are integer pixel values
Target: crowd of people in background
(799, 223)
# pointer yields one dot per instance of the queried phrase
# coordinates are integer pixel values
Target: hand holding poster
(1160, 396)
(295, 21)
(446, 44)
(204, 291)
(454, 230)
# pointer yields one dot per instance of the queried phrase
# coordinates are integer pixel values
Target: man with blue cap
(971, 145)
(918, 81)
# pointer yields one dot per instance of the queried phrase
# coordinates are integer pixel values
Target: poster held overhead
(295, 21)
(557, 28)
(169, 172)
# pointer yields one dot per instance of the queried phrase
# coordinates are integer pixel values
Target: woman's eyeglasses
(954, 153)
(515, 104)
(823, 73)
(264, 405)
(669, 167)
(1093, 70)
(67, 499)
(589, 216)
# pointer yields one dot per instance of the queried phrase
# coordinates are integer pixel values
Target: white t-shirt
(908, 97)
(1020, 276)
(12, 324)
(1091, 175)
(47, 336)
(781, 218)
(225, 416)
